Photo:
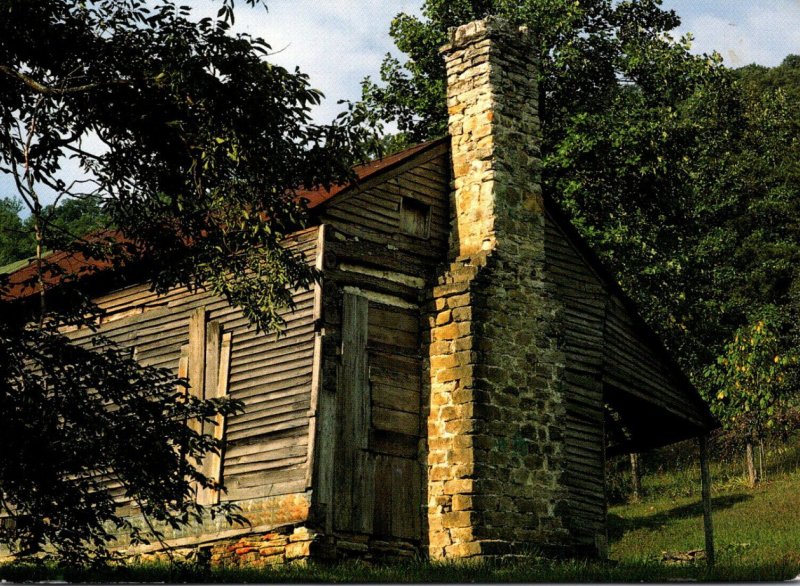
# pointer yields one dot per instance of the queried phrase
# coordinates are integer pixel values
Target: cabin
(454, 384)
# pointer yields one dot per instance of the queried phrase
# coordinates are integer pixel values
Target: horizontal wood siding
(368, 253)
(633, 367)
(583, 301)
(371, 212)
(610, 357)
(267, 444)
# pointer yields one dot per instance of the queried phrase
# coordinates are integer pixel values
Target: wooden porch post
(705, 475)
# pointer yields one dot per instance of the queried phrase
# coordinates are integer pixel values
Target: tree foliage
(182, 128)
(750, 378)
(194, 145)
(71, 220)
(624, 110)
(79, 419)
(16, 242)
(681, 173)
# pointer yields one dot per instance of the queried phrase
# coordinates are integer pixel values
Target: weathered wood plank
(395, 398)
(259, 429)
(393, 443)
(353, 408)
(397, 421)
(219, 350)
(280, 388)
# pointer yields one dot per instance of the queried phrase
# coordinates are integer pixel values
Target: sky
(339, 42)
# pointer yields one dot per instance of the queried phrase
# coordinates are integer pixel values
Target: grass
(755, 530)
(757, 534)
(532, 570)
(752, 528)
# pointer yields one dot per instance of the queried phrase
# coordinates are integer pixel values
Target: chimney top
(492, 103)
(477, 30)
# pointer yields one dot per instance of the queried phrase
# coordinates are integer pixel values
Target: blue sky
(339, 42)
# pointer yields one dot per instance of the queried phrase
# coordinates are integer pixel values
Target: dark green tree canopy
(66, 222)
(681, 173)
(585, 49)
(16, 242)
(622, 104)
(180, 127)
(192, 146)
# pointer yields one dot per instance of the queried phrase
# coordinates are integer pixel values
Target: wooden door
(378, 473)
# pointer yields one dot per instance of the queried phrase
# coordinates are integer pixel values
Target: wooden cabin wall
(583, 300)
(610, 357)
(267, 450)
(371, 215)
(371, 404)
(633, 368)
(374, 408)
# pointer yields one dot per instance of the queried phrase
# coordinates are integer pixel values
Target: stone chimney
(494, 445)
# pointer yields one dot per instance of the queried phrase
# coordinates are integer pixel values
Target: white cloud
(336, 42)
(759, 32)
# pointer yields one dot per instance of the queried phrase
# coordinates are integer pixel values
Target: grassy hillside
(756, 530)
(753, 528)
(757, 538)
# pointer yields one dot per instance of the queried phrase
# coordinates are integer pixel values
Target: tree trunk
(636, 479)
(750, 461)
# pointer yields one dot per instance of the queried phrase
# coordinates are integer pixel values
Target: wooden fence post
(705, 475)
(636, 478)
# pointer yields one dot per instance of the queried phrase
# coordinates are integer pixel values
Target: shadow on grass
(618, 526)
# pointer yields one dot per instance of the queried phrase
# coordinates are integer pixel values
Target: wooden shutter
(207, 362)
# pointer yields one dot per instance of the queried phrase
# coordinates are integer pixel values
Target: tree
(626, 112)
(682, 174)
(678, 172)
(785, 77)
(749, 382)
(15, 243)
(195, 146)
(72, 219)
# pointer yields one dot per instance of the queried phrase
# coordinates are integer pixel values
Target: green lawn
(757, 538)
(757, 529)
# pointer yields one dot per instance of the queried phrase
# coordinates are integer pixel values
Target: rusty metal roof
(23, 282)
(316, 197)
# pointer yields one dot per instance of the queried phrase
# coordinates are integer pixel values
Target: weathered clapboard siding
(267, 444)
(371, 213)
(633, 367)
(583, 301)
(611, 361)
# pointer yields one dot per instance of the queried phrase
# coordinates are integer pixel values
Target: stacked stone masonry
(495, 453)
(283, 545)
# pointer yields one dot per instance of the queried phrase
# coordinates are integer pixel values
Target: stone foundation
(290, 544)
(284, 545)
